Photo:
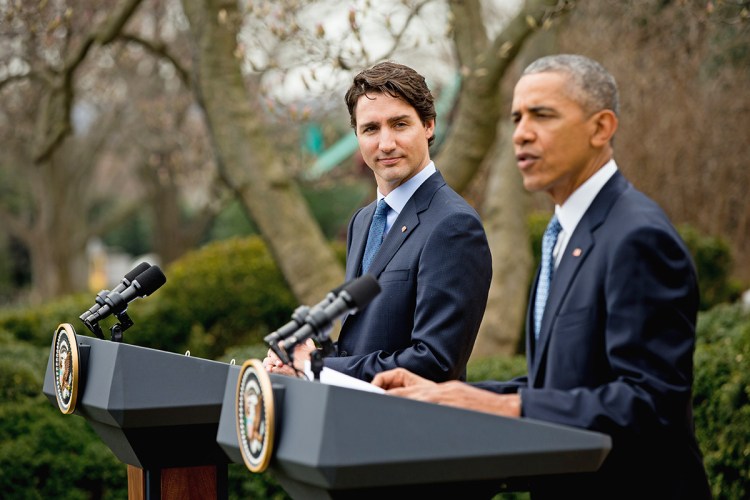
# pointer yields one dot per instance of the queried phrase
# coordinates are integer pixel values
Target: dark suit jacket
(434, 270)
(615, 351)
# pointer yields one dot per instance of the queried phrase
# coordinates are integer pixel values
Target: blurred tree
(246, 155)
(269, 193)
(480, 139)
(124, 56)
(684, 71)
(106, 103)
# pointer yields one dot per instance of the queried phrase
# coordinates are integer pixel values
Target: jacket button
(343, 353)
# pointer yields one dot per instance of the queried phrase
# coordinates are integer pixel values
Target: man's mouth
(389, 160)
(525, 160)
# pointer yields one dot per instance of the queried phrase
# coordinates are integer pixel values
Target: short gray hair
(593, 87)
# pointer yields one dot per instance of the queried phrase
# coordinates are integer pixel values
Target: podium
(336, 442)
(173, 420)
(158, 412)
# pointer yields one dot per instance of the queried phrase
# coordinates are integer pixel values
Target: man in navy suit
(433, 264)
(612, 348)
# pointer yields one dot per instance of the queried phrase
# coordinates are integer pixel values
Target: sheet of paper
(332, 377)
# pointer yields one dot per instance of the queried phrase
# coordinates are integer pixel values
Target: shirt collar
(397, 198)
(571, 211)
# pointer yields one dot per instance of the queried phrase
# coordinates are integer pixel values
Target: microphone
(101, 297)
(273, 338)
(300, 315)
(354, 296)
(144, 284)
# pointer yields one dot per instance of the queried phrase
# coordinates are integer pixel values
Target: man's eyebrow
(541, 109)
(367, 124)
(398, 118)
(391, 121)
(533, 110)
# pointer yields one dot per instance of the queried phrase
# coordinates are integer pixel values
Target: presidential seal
(67, 367)
(255, 415)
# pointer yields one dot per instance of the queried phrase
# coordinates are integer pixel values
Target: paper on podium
(333, 377)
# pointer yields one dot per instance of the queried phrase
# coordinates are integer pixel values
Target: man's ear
(429, 127)
(605, 125)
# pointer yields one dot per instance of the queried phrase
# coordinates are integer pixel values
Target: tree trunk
(57, 233)
(504, 218)
(246, 158)
(476, 131)
(483, 64)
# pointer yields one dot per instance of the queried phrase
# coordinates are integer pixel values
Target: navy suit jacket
(615, 351)
(434, 269)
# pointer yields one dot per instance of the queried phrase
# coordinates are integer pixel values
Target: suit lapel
(406, 223)
(579, 246)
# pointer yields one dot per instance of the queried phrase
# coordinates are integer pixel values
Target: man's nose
(387, 140)
(522, 133)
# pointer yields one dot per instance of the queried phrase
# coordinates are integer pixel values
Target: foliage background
(43, 453)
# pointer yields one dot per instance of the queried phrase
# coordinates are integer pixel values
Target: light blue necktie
(375, 236)
(545, 275)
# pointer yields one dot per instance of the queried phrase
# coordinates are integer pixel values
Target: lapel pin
(577, 252)
(403, 229)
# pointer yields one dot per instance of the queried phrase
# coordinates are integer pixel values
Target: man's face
(552, 137)
(392, 139)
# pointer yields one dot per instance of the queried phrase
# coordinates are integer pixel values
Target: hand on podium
(273, 364)
(402, 382)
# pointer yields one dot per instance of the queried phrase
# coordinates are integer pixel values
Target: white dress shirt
(397, 198)
(571, 211)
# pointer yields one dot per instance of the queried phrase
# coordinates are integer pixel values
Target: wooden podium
(158, 412)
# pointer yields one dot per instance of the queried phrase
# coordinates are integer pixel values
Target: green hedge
(36, 325)
(43, 453)
(227, 293)
(722, 398)
(713, 261)
(219, 301)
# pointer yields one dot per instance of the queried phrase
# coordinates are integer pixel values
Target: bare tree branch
(475, 126)
(159, 49)
(53, 123)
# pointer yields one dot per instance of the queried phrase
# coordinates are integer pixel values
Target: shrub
(497, 368)
(713, 261)
(225, 294)
(44, 454)
(37, 325)
(722, 399)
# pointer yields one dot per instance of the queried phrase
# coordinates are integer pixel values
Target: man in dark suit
(433, 264)
(611, 321)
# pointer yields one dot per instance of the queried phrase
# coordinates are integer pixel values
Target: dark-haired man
(433, 263)
(611, 322)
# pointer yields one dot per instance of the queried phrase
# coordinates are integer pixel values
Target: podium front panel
(336, 438)
(153, 409)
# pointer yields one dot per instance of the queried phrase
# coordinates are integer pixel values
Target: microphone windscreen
(336, 291)
(150, 280)
(362, 290)
(136, 271)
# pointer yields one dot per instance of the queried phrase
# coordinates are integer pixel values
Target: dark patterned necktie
(375, 236)
(545, 275)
